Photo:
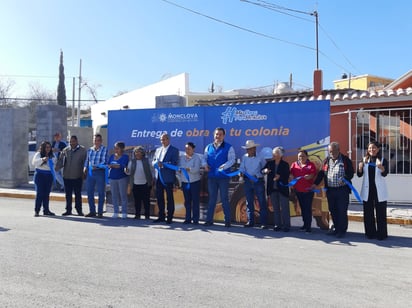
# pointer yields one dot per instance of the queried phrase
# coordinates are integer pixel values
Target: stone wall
(14, 146)
(50, 119)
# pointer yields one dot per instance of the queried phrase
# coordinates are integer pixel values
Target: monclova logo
(175, 117)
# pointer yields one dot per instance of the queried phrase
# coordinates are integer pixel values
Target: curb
(358, 216)
(29, 195)
(390, 220)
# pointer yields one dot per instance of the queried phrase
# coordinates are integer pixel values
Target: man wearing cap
(219, 157)
(250, 170)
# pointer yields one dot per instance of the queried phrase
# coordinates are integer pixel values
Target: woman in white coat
(374, 168)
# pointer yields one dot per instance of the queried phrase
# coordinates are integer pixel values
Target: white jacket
(380, 183)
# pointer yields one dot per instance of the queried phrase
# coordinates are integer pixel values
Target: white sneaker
(115, 215)
(124, 215)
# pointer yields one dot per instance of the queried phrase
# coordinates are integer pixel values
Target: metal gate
(391, 128)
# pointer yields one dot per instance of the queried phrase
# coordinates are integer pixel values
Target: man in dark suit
(165, 177)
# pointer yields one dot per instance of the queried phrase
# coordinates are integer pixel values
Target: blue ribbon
(230, 174)
(156, 165)
(355, 192)
(106, 171)
(237, 172)
(291, 183)
(183, 170)
(51, 166)
(175, 168)
(251, 177)
(101, 166)
(315, 190)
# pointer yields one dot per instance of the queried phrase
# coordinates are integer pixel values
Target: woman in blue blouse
(119, 179)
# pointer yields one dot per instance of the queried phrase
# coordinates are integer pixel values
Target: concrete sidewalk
(400, 214)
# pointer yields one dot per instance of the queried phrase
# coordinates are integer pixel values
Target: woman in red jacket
(304, 171)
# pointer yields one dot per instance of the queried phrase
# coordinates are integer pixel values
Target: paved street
(82, 262)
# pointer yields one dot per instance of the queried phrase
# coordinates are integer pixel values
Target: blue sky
(125, 45)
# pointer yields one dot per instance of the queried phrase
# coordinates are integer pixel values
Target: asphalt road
(85, 262)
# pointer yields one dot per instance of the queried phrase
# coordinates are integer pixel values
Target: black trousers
(160, 196)
(70, 186)
(338, 202)
(375, 228)
(141, 194)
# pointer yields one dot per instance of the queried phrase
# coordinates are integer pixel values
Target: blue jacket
(217, 157)
(171, 157)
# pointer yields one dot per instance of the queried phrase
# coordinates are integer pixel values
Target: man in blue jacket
(165, 177)
(219, 157)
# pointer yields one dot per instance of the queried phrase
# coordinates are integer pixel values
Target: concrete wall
(50, 119)
(14, 136)
(84, 135)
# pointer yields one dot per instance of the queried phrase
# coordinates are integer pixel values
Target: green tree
(61, 89)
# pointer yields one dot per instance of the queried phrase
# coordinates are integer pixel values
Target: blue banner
(291, 125)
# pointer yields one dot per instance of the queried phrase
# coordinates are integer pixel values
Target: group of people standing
(135, 176)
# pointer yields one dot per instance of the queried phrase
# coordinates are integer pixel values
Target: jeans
(215, 184)
(43, 181)
(119, 193)
(97, 179)
(281, 209)
(192, 197)
(258, 189)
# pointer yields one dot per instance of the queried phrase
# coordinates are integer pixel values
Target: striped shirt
(96, 157)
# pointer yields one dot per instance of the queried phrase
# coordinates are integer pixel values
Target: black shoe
(308, 230)
(331, 232)
(90, 215)
(49, 214)
(169, 221)
(159, 220)
(227, 225)
(196, 223)
(263, 227)
(147, 217)
(136, 216)
(208, 223)
(67, 213)
(186, 222)
(248, 225)
(302, 229)
(36, 214)
(277, 229)
(100, 215)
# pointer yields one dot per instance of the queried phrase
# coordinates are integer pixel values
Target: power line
(280, 9)
(239, 27)
(31, 76)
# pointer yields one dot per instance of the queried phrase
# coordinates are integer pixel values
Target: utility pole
(80, 91)
(315, 13)
(73, 99)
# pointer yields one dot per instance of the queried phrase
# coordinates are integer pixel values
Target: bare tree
(38, 96)
(92, 89)
(5, 93)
